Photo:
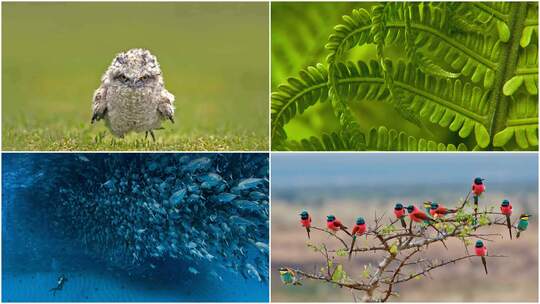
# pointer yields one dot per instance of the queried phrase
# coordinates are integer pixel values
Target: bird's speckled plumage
(132, 96)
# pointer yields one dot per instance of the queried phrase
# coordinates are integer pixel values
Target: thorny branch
(399, 246)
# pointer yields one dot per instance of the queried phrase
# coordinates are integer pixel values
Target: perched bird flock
(133, 211)
(433, 212)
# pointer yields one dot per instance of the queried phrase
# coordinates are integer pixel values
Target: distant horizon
(367, 169)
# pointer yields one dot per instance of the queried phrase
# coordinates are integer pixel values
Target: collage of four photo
(265, 151)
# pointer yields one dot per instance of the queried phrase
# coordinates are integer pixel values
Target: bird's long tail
(403, 224)
(352, 246)
(485, 264)
(475, 209)
(509, 225)
(308, 231)
(345, 230)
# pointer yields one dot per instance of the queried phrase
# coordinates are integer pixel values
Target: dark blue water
(46, 232)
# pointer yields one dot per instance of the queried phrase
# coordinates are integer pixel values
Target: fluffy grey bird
(132, 96)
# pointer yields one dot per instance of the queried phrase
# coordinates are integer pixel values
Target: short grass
(214, 58)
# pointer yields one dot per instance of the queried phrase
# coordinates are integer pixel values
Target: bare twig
(432, 267)
(397, 272)
(352, 285)
(332, 234)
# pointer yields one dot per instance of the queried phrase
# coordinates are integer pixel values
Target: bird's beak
(135, 84)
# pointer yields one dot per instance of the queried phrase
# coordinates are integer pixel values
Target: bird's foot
(151, 134)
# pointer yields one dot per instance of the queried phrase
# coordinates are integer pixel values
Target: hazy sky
(302, 169)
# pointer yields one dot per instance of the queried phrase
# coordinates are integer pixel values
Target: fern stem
(491, 11)
(507, 63)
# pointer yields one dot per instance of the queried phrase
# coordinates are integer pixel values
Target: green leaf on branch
(483, 220)
(366, 272)
(339, 274)
(342, 252)
(314, 247)
(449, 229)
(388, 229)
(465, 231)
(393, 249)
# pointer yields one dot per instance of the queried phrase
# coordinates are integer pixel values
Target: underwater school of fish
(204, 215)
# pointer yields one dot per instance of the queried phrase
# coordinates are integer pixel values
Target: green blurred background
(214, 58)
(300, 32)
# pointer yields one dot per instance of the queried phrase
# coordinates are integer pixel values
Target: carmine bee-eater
(399, 211)
(506, 209)
(437, 210)
(523, 224)
(481, 251)
(478, 188)
(288, 276)
(418, 216)
(333, 224)
(358, 229)
(305, 220)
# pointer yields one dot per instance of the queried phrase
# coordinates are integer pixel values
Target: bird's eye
(145, 78)
(122, 78)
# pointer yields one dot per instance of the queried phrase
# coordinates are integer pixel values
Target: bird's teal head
(410, 208)
(505, 203)
(398, 206)
(360, 221)
(330, 218)
(478, 181)
(479, 244)
(304, 215)
(434, 206)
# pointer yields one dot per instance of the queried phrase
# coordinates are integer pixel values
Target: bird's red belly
(480, 251)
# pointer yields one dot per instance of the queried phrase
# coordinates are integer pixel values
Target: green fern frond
(355, 31)
(470, 67)
(473, 55)
(480, 17)
(301, 31)
(522, 123)
(382, 139)
(526, 72)
(378, 139)
(327, 142)
(296, 96)
(531, 24)
(452, 103)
